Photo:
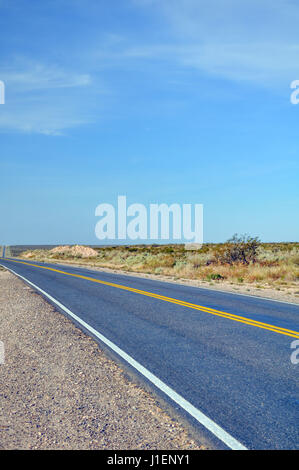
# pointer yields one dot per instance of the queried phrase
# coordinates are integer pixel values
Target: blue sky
(175, 101)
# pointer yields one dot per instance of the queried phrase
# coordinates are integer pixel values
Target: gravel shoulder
(58, 390)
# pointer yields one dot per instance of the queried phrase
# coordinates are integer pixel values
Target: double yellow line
(219, 313)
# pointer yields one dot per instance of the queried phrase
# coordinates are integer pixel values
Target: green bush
(214, 277)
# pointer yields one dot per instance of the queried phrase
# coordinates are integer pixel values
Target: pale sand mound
(28, 254)
(76, 250)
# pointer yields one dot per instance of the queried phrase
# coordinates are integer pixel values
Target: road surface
(222, 360)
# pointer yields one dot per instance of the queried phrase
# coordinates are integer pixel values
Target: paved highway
(221, 359)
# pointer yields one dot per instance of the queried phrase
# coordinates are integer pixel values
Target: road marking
(204, 420)
(179, 282)
(219, 313)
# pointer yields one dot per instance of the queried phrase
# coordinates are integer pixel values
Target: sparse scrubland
(241, 260)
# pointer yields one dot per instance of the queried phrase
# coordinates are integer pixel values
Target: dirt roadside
(58, 390)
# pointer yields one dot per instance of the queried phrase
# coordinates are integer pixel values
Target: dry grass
(277, 264)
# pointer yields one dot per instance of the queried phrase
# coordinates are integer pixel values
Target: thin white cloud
(28, 75)
(44, 119)
(45, 99)
(256, 41)
(253, 40)
(253, 62)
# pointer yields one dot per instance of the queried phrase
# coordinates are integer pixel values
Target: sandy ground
(58, 390)
(283, 293)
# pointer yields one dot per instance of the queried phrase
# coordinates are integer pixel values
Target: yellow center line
(219, 313)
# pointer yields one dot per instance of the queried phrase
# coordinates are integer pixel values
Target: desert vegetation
(242, 259)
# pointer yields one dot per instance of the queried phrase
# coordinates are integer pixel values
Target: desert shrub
(296, 260)
(180, 264)
(158, 270)
(132, 249)
(239, 249)
(199, 259)
(214, 277)
(167, 249)
(135, 259)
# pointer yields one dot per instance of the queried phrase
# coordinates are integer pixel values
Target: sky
(173, 101)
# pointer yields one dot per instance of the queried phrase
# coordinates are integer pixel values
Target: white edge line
(220, 433)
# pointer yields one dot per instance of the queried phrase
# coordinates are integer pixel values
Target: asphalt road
(225, 355)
